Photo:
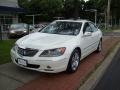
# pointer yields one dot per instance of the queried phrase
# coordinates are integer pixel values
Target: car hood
(43, 41)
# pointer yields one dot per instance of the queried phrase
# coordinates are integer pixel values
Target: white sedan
(58, 47)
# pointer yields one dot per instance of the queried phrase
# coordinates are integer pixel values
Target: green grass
(5, 47)
(107, 30)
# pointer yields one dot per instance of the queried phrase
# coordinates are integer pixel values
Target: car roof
(19, 24)
(71, 20)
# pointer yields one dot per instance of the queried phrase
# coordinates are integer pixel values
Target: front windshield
(63, 28)
(18, 26)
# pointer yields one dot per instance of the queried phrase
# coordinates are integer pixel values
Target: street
(117, 34)
(111, 78)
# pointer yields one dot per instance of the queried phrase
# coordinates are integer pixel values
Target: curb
(98, 73)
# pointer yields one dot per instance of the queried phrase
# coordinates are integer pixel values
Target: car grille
(27, 52)
(19, 32)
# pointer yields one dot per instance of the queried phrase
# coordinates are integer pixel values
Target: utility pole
(0, 32)
(105, 19)
(108, 13)
(33, 18)
(95, 17)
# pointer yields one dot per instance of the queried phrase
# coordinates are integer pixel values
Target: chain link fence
(4, 31)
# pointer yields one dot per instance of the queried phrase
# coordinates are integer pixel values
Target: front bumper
(17, 34)
(46, 64)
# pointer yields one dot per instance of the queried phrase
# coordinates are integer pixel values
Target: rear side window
(87, 28)
(93, 27)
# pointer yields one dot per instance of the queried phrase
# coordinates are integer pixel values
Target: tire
(74, 61)
(99, 48)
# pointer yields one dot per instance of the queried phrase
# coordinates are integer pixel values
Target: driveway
(12, 76)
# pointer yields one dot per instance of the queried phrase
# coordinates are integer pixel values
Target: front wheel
(74, 61)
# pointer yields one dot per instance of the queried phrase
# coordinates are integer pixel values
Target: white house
(9, 10)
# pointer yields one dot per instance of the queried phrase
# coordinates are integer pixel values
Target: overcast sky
(86, 0)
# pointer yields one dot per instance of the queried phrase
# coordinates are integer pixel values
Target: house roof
(6, 9)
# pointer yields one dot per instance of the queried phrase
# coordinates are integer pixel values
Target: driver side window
(87, 28)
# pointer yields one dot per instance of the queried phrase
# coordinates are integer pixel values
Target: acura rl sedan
(60, 46)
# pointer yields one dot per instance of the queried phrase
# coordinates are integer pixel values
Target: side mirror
(99, 29)
(86, 34)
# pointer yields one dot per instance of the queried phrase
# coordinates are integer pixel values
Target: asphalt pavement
(12, 76)
(111, 78)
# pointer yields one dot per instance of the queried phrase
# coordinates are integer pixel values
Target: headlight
(53, 52)
(24, 31)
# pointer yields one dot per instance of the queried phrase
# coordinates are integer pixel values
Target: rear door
(95, 36)
(86, 41)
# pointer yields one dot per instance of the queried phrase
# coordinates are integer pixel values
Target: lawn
(5, 47)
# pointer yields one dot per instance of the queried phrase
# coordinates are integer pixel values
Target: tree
(115, 12)
(73, 8)
(114, 9)
(24, 4)
(47, 8)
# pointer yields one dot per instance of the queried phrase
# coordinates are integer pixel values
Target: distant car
(58, 47)
(39, 27)
(31, 27)
(36, 30)
(19, 29)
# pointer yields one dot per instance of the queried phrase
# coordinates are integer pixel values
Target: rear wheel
(99, 48)
(74, 61)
